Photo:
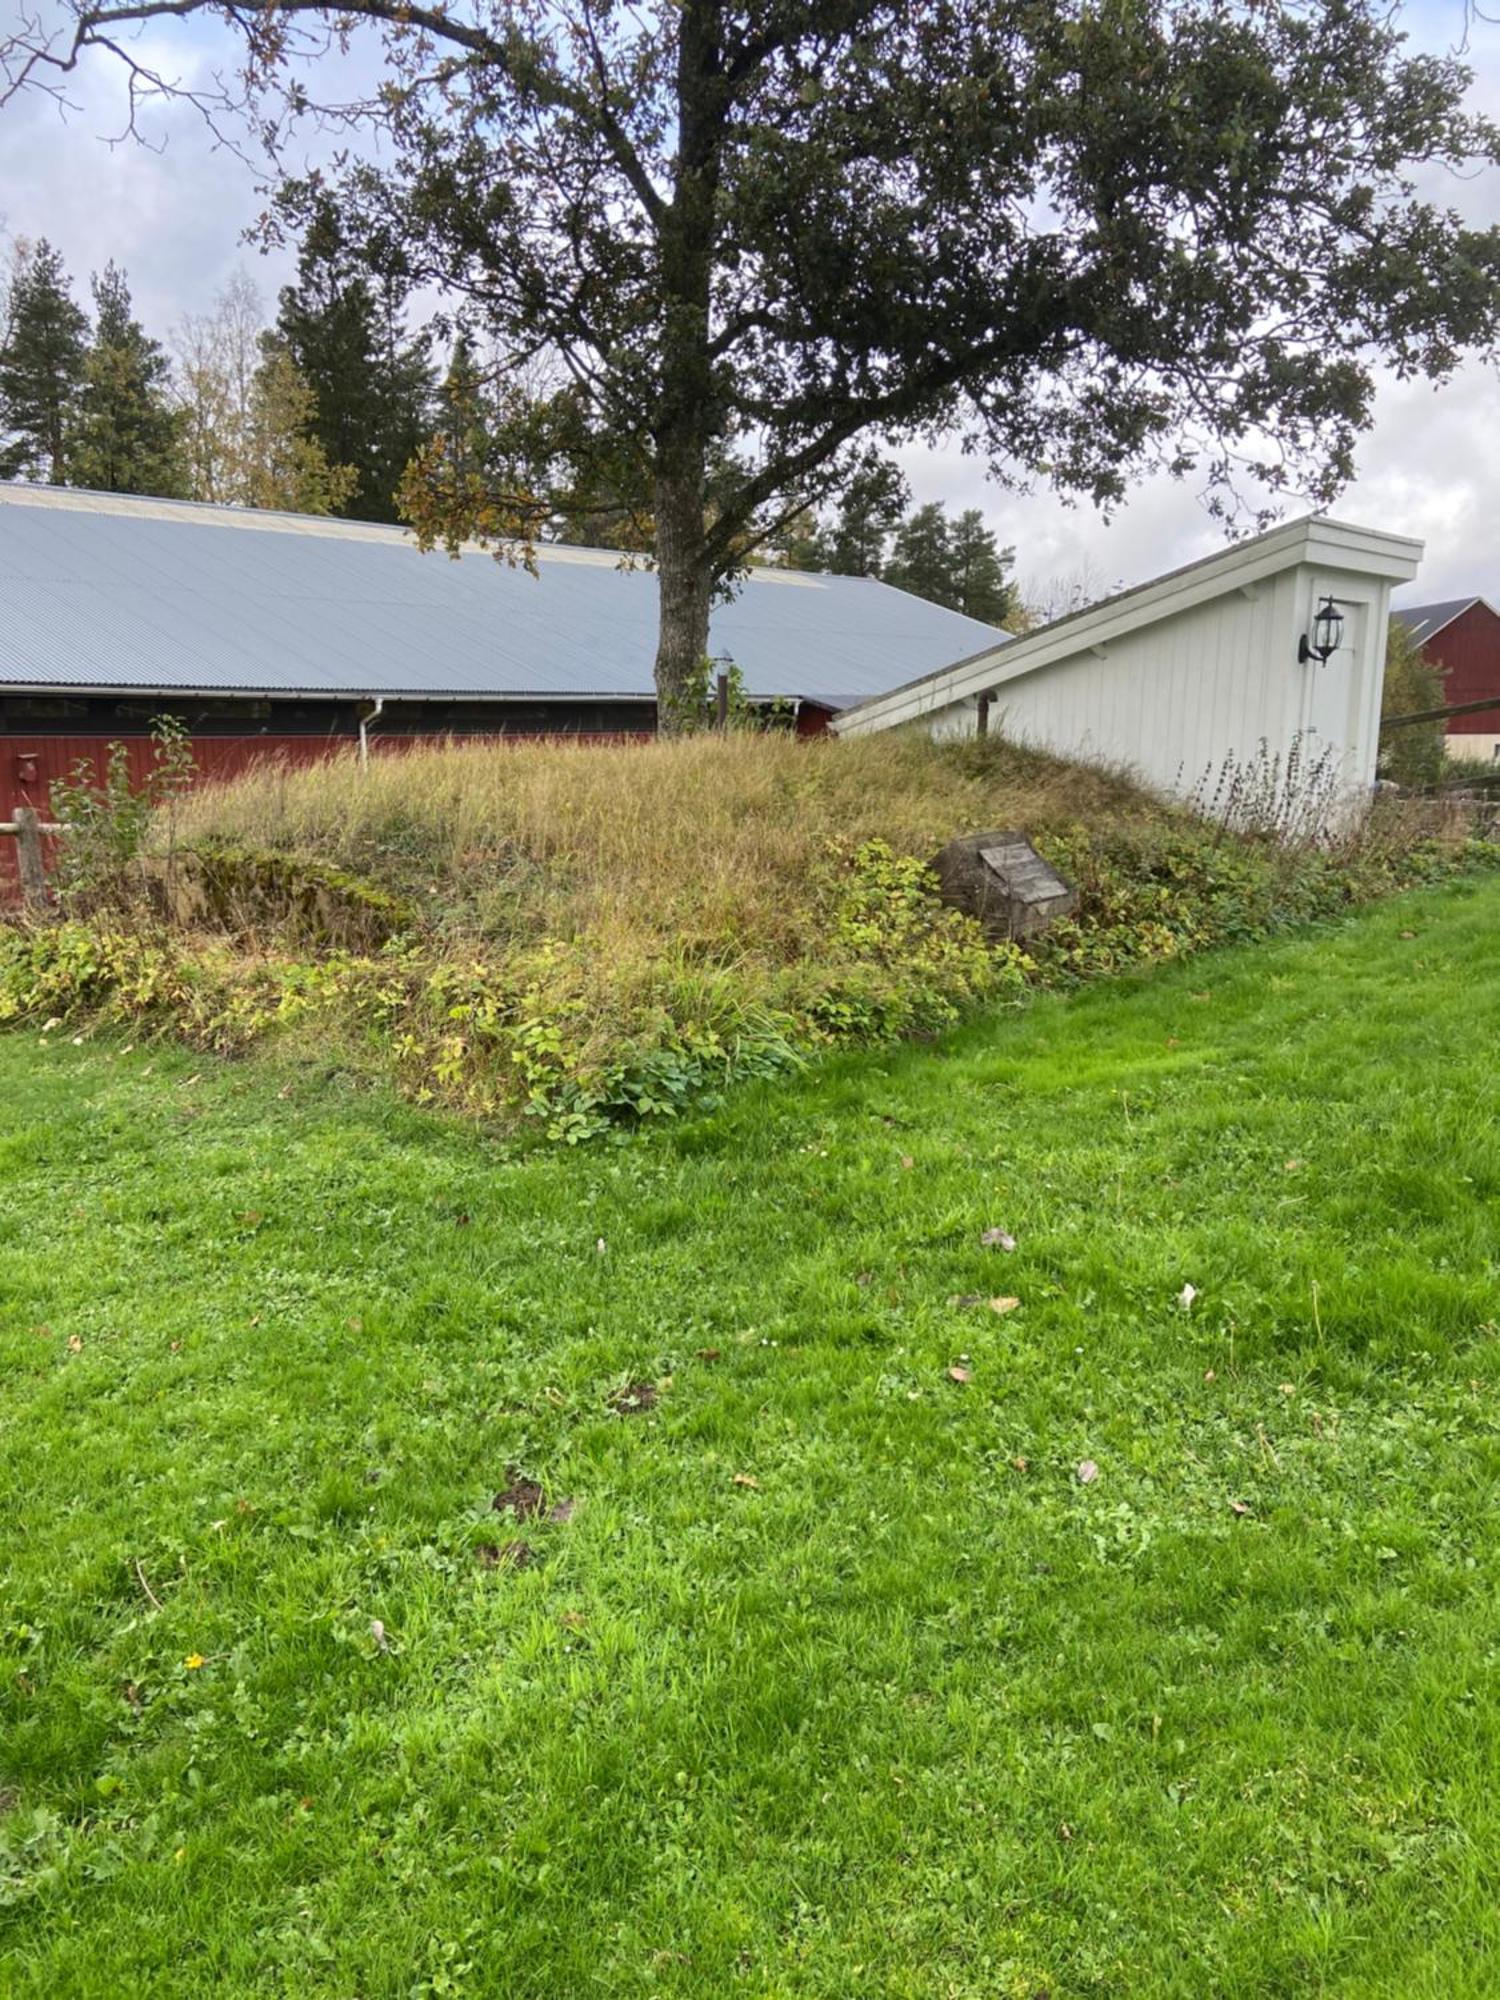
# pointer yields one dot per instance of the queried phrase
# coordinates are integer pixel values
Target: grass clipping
(587, 934)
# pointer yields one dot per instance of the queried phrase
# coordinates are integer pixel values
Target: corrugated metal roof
(1422, 620)
(102, 591)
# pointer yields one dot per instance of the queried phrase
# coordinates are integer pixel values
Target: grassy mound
(586, 933)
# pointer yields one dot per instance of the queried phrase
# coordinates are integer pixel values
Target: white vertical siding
(1174, 699)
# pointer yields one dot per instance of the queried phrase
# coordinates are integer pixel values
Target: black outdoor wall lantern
(1327, 633)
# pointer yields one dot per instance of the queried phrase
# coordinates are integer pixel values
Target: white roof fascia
(1315, 540)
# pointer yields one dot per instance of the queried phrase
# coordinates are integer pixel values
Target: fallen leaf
(575, 1621)
(377, 1633)
(708, 1353)
(1088, 1472)
(966, 1299)
(1240, 1507)
(1288, 1388)
(250, 1217)
(461, 1222)
(864, 1277)
(907, 1162)
(746, 1479)
(1407, 934)
(600, 1247)
(1003, 1305)
(1210, 1375)
(956, 1374)
(998, 1239)
(1186, 1296)
(75, 1343)
(1294, 1166)
(1172, 1042)
(1065, 1831)
(1021, 1464)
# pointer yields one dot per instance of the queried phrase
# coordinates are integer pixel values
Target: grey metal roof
(1422, 620)
(101, 591)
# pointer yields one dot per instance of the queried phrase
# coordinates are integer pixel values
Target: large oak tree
(1083, 238)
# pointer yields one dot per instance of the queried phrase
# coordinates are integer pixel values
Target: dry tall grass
(615, 932)
(711, 841)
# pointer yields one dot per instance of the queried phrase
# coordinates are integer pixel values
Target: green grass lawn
(836, 1679)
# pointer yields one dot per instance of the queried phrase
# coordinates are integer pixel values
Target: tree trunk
(685, 588)
(684, 418)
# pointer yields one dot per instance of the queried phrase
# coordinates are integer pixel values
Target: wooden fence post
(982, 716)
(29, 856)
(721, 702)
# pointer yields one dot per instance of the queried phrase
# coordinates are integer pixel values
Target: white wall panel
(1174, 699)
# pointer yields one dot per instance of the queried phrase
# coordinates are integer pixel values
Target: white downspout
(364, 731)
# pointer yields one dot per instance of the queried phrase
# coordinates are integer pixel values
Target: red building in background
(1462, 636)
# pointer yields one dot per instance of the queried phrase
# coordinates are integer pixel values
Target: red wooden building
(283, 636)
(1462, 635)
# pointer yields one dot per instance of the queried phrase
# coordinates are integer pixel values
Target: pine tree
(372, 385)
(41, 367)
(853, 544)
(983, 587)
(922, 556)
(127, 438)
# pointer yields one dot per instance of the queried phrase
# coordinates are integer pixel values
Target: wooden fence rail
(27, 827)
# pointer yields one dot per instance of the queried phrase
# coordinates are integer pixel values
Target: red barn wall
(1469, 647)
(31, 765)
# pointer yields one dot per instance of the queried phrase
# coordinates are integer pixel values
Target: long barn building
(278, 635)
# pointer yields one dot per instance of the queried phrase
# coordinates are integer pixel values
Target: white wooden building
(1207, 663)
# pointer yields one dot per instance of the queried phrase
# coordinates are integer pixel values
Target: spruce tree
(982, 583)
(41, 367)
(127, 438)
(854, 543)
(371, 384)
(922, 558)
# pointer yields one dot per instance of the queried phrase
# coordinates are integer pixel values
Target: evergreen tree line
(873, 532)
(317, 413)
(324, 410)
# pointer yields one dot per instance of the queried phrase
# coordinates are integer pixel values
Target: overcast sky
(174, 219)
